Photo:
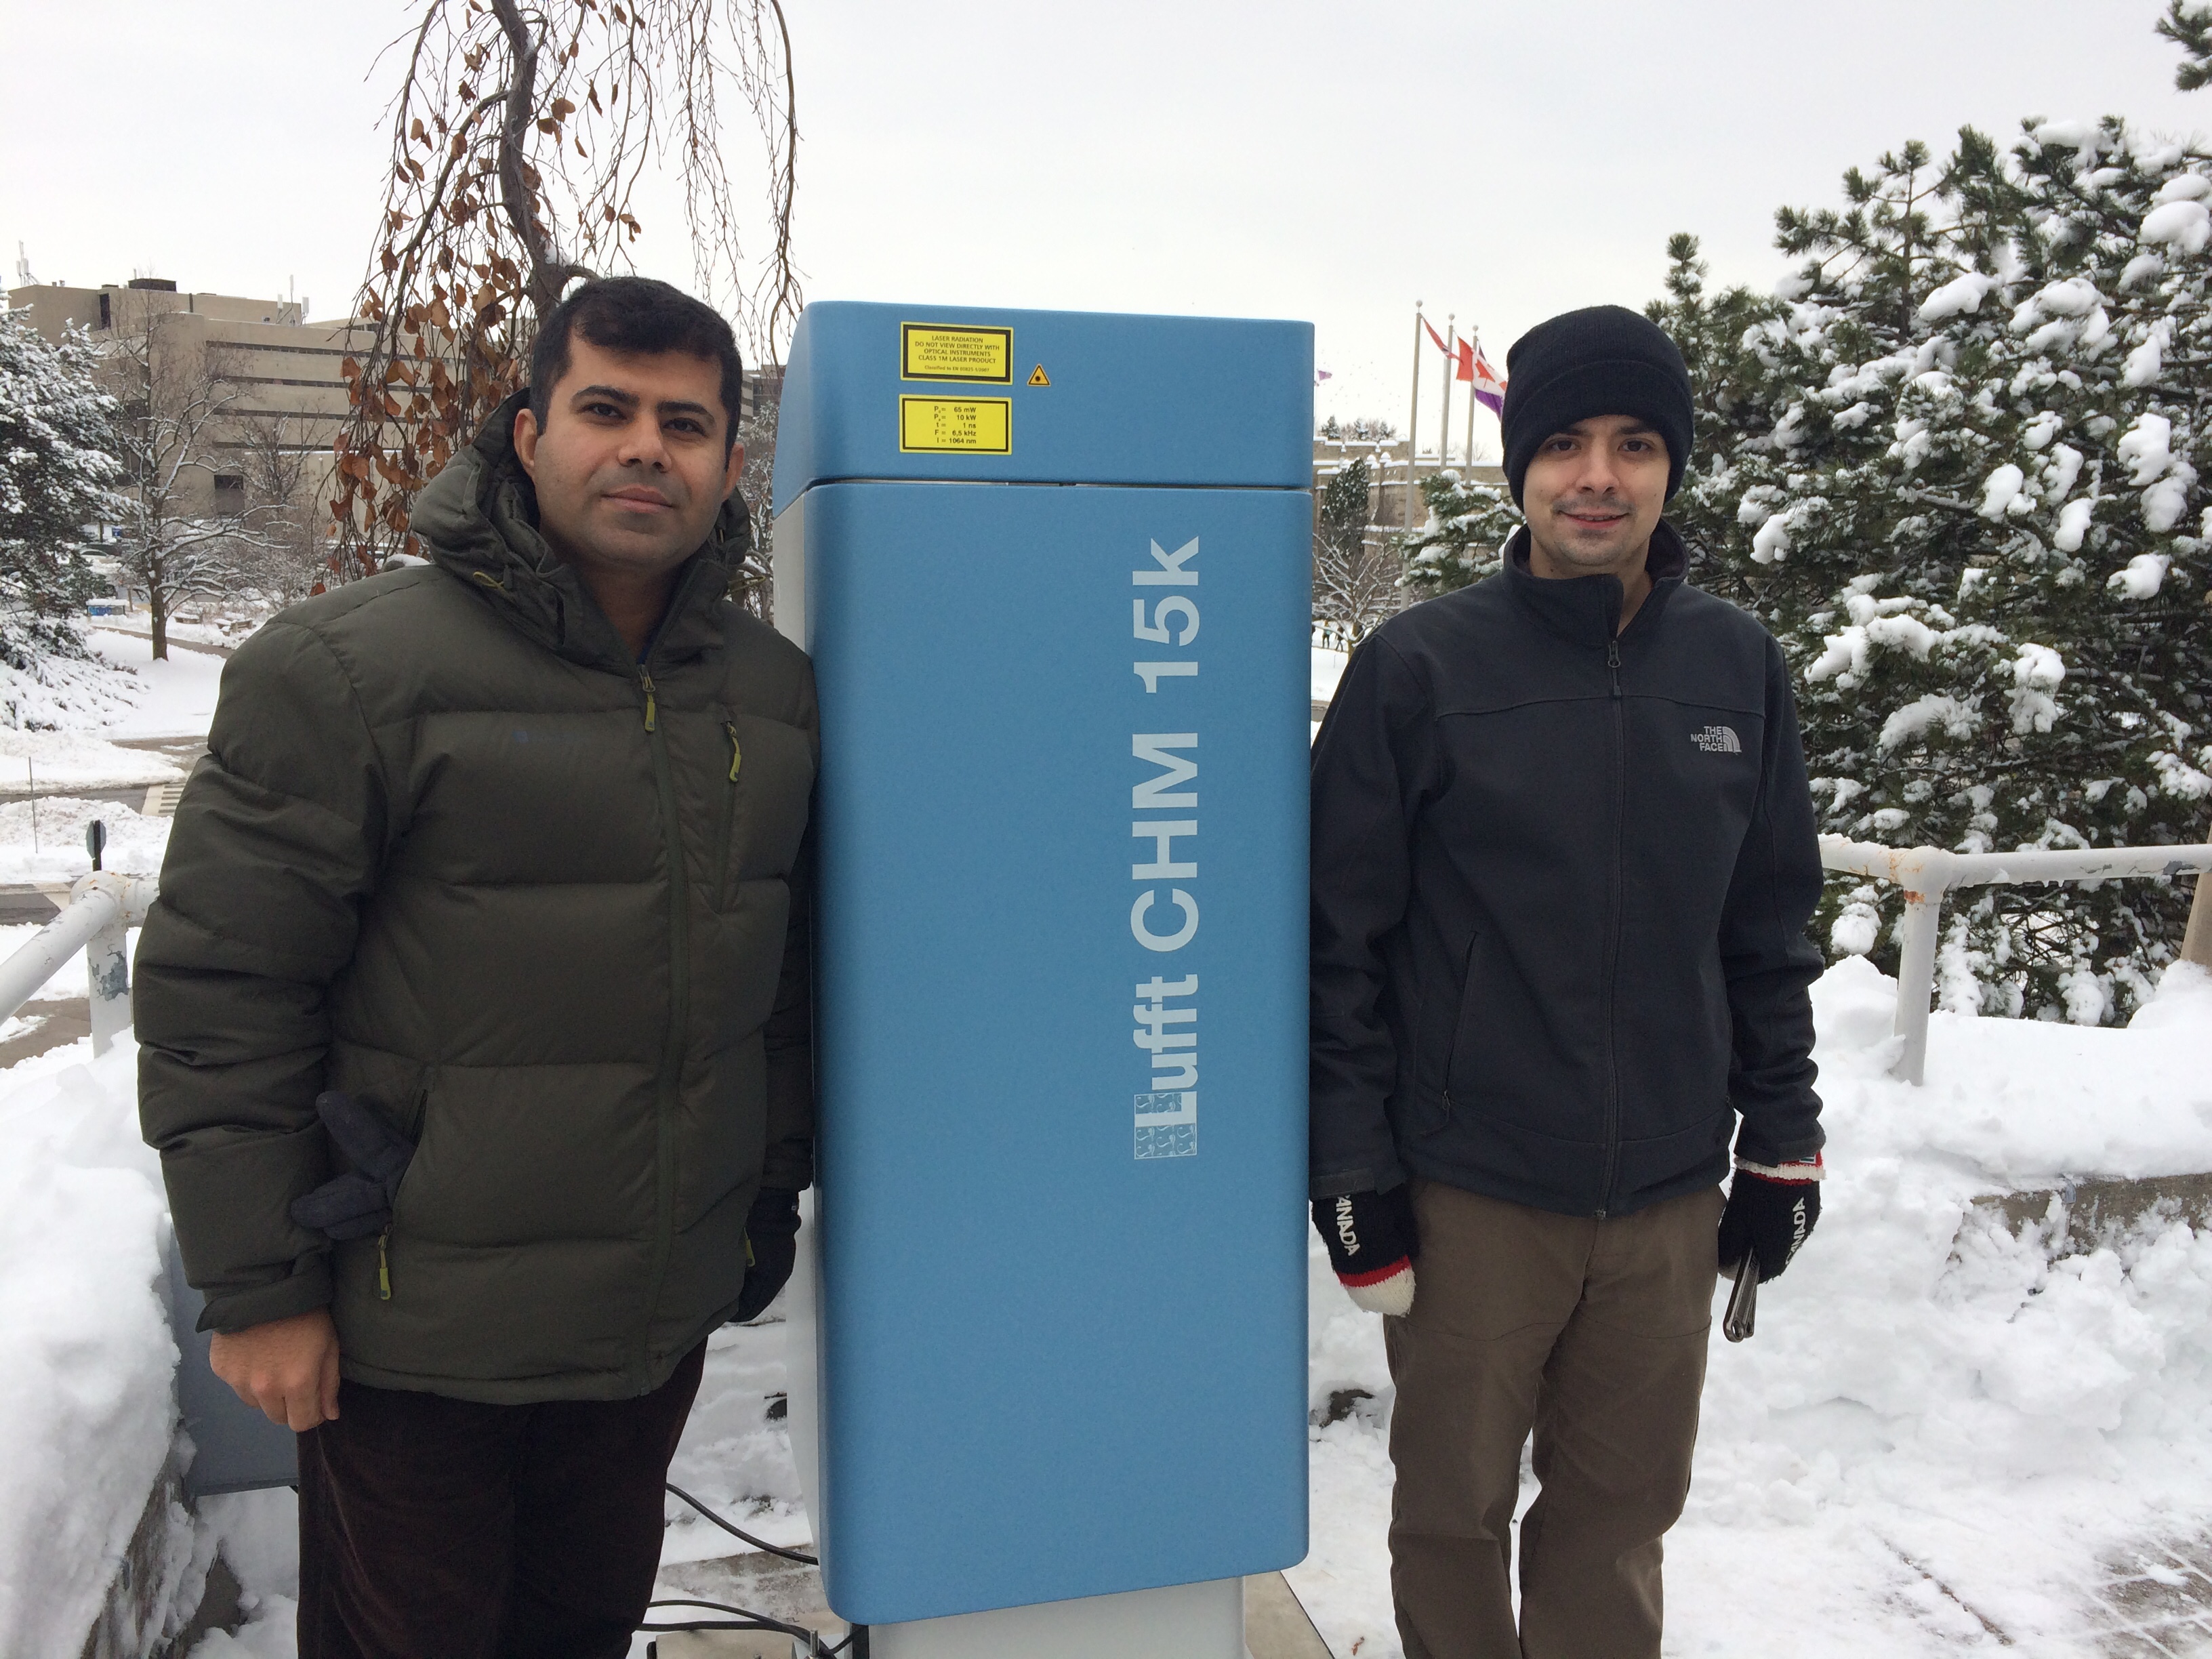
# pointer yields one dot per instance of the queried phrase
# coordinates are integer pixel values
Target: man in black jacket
(1563, 861)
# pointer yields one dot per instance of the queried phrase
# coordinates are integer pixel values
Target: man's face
(1593, 496)
(630, 465)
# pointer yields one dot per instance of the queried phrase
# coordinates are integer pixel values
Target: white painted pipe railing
(1927, 873)
(103, 908)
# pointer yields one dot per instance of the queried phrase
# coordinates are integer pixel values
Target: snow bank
(55, 852)
(85, 1352)
(1937, 1424)
(62, 693)
(47, 761)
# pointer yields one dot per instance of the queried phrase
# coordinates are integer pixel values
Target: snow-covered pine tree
(56, 467)
(1954, 466)
(2189, 28)
(1468, 524)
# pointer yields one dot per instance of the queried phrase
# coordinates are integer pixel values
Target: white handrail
(102, 908)
(1927, 873)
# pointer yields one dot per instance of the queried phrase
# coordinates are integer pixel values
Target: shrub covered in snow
(1468, 523)
(1954, 463)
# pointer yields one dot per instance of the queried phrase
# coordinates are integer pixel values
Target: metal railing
(105, 905)
(103, 908)
(1927, 874)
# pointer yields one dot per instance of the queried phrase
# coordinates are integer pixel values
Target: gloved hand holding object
(771, 1248)
(1772, 1210)
(1372, 1242)
(358, 1203)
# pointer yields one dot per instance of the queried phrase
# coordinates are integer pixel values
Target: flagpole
(1443, 439)
(1414, 420)
(1474, 345)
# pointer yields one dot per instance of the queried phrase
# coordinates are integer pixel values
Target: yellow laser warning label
(955, 351)
(1038, 377)
(967, 426)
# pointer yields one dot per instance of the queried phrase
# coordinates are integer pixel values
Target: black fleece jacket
(1560, 885)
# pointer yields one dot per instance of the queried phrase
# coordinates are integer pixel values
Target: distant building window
(106, 319)
(230, 483)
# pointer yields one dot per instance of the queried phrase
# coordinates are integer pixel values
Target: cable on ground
(799, 1556)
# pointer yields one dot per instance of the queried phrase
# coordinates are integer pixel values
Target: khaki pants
(1593, 1335)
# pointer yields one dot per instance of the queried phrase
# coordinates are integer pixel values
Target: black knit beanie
(1604, 360)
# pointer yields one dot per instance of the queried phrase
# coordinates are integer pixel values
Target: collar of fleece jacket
(478, 519)
(1586, 610)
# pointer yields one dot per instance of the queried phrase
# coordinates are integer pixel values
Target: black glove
(359, 1202)
(1372, 1242)
(1770, 1211)
(771, 1248)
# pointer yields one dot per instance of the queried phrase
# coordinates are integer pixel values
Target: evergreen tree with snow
(1469, 524)
(2189, 28)
(56, 470)
(1953, 466)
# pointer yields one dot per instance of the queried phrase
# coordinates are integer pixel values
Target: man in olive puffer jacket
(507, 850)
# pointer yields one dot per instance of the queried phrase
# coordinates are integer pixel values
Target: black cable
(814, 1646)
(745, 1618)
(799, 1556)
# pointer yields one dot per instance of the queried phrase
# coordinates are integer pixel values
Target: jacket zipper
(679, 1016)
(1612, 932)
(384, 1238)
(729, 815)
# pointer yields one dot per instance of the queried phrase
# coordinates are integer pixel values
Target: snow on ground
(1328, 670)
(1940, 1439)
(44, 840)
(59, 761)
(1938, 1432)
(171, 698)
(61, 692)
(66, 716)
(86, 1357)
(732, 1456)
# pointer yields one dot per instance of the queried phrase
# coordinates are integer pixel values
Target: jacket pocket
(1453, 1037)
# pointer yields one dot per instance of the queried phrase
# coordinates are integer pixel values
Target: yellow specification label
(955, 351)
(969, 426)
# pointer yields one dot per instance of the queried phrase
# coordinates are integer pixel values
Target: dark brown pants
(1593, 1335)
(436, 1528)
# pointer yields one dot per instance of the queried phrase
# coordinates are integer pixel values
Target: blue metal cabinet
(1062, 662)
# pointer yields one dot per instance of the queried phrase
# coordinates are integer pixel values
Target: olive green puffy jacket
(454, 851)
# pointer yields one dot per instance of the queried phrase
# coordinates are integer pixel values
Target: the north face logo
(1717, 740)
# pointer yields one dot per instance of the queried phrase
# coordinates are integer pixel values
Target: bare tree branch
(486, 223)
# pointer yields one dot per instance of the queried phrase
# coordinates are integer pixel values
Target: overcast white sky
(1283, 158)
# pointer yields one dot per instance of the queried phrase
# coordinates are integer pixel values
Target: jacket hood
(1586, 610)
(478, 519)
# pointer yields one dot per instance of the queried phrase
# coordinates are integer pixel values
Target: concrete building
(279, 372)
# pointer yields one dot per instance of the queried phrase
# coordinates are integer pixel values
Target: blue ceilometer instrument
(1053, 571)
